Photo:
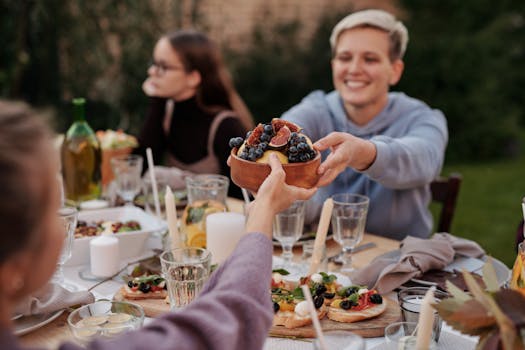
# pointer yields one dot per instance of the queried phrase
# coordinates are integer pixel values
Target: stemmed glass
(287, 229)
(348, 224)
(127, 170)
(68, 218)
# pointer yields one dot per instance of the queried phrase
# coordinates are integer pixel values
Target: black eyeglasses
(161, 68)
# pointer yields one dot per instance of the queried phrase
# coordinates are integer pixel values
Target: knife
(357, 249)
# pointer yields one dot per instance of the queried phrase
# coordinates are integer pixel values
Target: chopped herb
(281, 271)
(328, 278)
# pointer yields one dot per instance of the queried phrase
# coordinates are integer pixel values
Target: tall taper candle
(171, 215)
(320, 237)
(426, 321)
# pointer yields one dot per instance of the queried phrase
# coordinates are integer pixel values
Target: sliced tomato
(364, 301)
(135, 288)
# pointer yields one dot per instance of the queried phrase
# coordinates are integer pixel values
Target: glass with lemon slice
(206, 195)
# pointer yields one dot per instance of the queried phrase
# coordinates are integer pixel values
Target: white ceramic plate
(131, 243)
(26, 324)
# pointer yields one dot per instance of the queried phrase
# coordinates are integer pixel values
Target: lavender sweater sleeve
(233, 311)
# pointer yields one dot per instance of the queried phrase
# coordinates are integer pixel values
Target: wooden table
(56, 332)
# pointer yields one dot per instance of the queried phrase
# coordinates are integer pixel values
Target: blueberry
(248, 134)
(303, 158)
(292, 150)
(376, 299)
(244, 155)
(252, 157)
(302, 146)
(301, 139)
(258, 153)
(268, 129)
(294, 135)
(263, 146)
(345, 304)
(265, 138)
(232, 142)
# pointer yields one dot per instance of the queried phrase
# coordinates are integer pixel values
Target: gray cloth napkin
(50, 298)
(387, 272)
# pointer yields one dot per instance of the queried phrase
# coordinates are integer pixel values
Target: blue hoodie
(410, 139)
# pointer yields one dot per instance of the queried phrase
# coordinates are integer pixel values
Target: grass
(488, 210)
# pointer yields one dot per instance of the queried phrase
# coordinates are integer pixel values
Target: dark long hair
(23, 158)
(216, 91)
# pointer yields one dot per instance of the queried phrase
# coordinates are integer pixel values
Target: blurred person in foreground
(194, 109)
(385, 145)
(233, 311)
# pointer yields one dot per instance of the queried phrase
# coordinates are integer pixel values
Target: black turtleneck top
(188, 136)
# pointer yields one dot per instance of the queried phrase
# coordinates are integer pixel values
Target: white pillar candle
(223, 231)
(105, 256)
(426, 321)
(171, 216)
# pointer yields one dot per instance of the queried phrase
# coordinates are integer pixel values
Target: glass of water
(127, 170)
(287, 229)
(68, 219)
(348, 224)
(185, 271)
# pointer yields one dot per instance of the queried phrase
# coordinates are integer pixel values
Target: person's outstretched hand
(274, 196)
(346, 150)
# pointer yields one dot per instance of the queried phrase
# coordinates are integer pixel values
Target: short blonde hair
(380, 19)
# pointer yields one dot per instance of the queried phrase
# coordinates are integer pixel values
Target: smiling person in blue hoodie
(382, 144)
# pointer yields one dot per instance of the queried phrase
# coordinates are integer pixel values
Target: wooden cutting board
(371, 328)
(152, 307)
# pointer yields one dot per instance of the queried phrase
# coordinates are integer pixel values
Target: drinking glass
(68, 219)
(127, 170)
(185, 271)
(402, 335)
(287, 229)
(348, 224)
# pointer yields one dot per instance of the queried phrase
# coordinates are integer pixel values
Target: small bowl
(250, 175)
(104, 319)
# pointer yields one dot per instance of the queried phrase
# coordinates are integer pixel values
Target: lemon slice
(198, 240)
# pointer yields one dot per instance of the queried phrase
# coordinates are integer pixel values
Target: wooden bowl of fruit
(249, 158)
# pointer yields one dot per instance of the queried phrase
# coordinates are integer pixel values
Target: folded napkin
(50, 298)
(387, 272)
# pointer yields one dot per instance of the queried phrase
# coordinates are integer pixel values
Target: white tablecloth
(450, 339)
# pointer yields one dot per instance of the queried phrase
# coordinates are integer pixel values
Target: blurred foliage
(467, 58)
(464, 57)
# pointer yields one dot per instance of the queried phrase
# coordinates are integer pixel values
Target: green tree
(467, 58)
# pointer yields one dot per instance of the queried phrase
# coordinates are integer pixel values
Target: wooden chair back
(445, 191)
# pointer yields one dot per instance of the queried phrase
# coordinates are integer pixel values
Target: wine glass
(348, 224)
(68, 218)
(287, 229)
(127, 170)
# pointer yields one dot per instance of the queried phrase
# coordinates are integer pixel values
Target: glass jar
(206, 195)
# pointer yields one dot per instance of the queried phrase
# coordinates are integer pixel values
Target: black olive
(130, 284)
(144, 288)
(318, 301)
(81, 223)
(329, 295)
(376, 299)
(345, 304)
(351, 290)
(320, 289)
(276, 307)
(354, 303)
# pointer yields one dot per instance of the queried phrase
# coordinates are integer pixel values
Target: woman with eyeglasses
(194, 110)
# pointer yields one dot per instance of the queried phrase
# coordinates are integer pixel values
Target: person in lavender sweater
(385, 145)
(234, 310)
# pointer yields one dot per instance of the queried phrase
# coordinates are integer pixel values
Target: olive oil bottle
(81, 157)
